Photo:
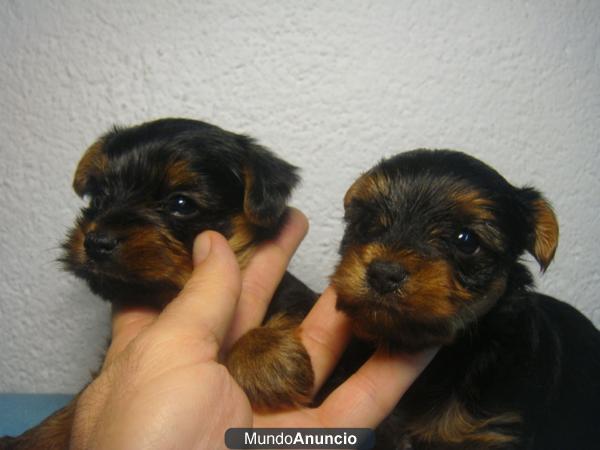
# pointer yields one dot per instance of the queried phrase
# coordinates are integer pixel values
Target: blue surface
(18, 412)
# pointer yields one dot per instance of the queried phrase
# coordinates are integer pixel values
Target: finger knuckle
(208, 341)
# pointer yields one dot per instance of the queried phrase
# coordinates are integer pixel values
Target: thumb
(209, 298)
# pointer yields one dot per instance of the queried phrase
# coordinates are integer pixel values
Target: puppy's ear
(93, 161)
(268, 183)
(369, 185)
(543, 227)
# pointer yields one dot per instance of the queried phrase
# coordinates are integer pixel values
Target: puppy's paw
(272, 366)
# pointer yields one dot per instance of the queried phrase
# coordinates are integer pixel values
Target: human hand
(162, 384)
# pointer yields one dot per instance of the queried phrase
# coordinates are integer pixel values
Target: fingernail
(201, 248)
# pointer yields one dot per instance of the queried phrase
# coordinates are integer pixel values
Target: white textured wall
(331, 85)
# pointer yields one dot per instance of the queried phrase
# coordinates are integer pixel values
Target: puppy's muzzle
(100, 245)
(386, 276)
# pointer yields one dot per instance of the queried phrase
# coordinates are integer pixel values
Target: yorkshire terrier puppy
(150, 190)
(430, 257)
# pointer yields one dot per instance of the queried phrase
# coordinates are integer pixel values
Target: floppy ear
(93, 161)
(368, 185)
(268, 183)
(543, 236)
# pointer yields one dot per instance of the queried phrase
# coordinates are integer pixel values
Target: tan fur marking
(154, 255)
(546, 234)
(272, 366)
(179, 173)
(349, 278)
(93, 161)
(429, 295)
(75, 244)
(242, 240)
(474, 204)
(429, 289)
(367, 186)
(454, 424)
(248, 186)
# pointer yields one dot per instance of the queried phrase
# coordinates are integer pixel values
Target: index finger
(370, 394)
(325, 333)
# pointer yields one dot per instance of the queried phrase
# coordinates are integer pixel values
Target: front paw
(272, 366)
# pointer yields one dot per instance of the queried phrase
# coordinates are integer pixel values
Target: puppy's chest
(451, 424)
(454, 406)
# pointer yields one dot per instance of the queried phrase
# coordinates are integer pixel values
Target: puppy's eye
(466, 241)
(182, 206)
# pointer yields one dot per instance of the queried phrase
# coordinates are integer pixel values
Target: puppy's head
(151, 188)
(431, 240)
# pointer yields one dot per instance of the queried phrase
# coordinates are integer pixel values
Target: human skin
(162, 384)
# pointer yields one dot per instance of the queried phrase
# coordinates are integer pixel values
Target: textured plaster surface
(332, 86)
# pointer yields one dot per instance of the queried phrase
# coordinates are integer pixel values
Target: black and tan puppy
(151, 189)
(431, 257)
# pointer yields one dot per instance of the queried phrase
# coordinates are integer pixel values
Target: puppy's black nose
(386, 276)
(99, 245)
